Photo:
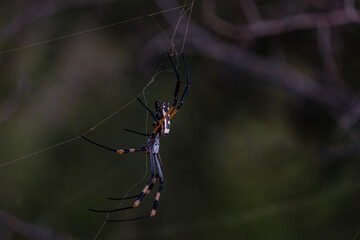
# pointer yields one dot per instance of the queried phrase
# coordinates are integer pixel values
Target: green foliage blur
(244, 160)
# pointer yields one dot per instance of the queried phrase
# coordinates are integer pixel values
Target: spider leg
(128, 219)
(186, 89)
(99, 145)
(148, 109)
(140, 196)
(152, 213)
(136, 196)
(136, 132)
(121, 150)
(157, 197)
(178, 82)
(123, 198)
(144, 192)
(161, 177)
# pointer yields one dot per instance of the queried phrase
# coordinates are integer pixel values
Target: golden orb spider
(161, 127)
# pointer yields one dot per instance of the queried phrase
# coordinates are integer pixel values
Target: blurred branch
(250, 10)
(351, 116)
(11, 105)
(274, 71)
(40, 11)
(350, 9)
(28, 230)
(331, 153)
(334, 100)
(266, 28)
(327, 54)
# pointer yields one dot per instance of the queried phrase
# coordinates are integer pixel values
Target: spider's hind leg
(153, 210)
(145, 191)
(149, 186)
(157, 199)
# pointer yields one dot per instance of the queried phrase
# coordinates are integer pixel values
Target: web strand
(187, 26)
(181, 16)
(90, 30)
(38, 152)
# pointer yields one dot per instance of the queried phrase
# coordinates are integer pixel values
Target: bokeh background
(266, 145)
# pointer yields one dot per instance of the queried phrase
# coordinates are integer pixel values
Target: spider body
(162, 108)
(162, 116)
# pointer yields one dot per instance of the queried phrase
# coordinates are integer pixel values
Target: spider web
(185, 11)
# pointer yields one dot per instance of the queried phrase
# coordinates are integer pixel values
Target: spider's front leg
(172, 111)
(146, 190)
(177, 88)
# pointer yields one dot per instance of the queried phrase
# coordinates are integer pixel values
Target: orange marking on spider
(162, 120)
(172, 115)
(132, 149)
(157, 196)
(136, 204)
(120, 151)
(145, 188)
(146, 151)
(153, 212)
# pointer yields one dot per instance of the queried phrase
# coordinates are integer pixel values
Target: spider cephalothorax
(161, 118)
(162, 108)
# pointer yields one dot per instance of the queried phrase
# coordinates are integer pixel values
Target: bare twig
(277, 26)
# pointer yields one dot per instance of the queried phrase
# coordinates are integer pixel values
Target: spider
(161, 127)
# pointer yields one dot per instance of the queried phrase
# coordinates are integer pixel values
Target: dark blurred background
(266, 145)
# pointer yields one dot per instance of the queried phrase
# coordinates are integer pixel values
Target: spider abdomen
(162, 108)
